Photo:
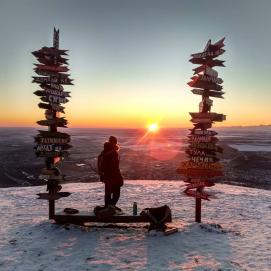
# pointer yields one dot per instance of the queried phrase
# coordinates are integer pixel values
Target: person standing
(109, 171)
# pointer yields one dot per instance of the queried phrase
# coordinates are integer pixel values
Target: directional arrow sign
(54, 99)
(209, 62)
(211, 116)
(206, 85)
(52, 140)
(55, 107)
(202, 138)
(53, 74)
(203, 132)
(200, 152)
(201, 165)
(52, 68)
(206, 146)
(60, 122)
(58, 93)
(195, 172)
(211, 54)
(199, 183)
(53, 134)
(51, 86)
(56, 196)
(201, 159)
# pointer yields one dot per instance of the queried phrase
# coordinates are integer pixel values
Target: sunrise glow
(153, 127)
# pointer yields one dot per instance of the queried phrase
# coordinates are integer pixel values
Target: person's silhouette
(111, 174)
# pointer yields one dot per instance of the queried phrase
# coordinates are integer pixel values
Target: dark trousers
(112, 194)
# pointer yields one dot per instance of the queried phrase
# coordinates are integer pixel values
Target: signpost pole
(198, 207)
(51, 209)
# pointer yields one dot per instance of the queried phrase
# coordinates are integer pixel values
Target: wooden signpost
(203, 163)
(52, 144)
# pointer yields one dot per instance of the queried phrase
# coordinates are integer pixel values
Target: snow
(235, 233)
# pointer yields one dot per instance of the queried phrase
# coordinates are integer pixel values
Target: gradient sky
(129, 59)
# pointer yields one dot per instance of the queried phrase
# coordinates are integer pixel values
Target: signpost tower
(203, 163)
(52, 144)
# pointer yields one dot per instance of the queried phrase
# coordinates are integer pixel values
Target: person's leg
(116, 194)
(107, 194)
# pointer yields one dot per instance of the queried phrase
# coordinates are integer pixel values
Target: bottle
(135, 208)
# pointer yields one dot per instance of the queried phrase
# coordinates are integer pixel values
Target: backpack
(100, 164)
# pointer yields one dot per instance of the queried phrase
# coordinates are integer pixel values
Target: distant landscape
(246, 156)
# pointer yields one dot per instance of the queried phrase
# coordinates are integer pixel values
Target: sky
(130, 59)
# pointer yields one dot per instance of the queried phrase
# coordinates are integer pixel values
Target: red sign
(208, 62)
(52, 68)
(196, 172)
(50, 51)
(200, 165)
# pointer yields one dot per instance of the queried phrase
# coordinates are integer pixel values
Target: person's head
(113, 140)
(108, 146)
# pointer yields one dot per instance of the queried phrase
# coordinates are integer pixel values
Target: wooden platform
(84, 217)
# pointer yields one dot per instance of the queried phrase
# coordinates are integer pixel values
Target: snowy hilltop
(235, 233)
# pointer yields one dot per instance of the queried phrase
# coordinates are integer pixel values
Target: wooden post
(51, 209)
(198, 208)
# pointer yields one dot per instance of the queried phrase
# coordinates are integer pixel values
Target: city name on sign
(203, 132)
(196, 172)
(211, 54)
(45, 92)
(52, 140)
(52, 147)
(201, 165)
(207, 78)
(55, 107)
(197, 194)
(207, 146)
(52, 68)
(200, 152)
(52, 86)
(202, 138)
(197, 159)
(54, 99)
(54, 80)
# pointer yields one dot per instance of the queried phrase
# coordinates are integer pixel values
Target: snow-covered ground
(235, 233)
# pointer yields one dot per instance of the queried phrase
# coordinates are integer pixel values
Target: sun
(153, 127)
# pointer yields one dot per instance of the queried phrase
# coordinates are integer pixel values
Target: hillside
(235, 233)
